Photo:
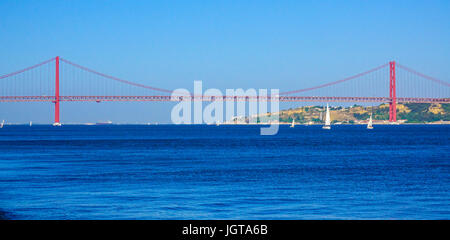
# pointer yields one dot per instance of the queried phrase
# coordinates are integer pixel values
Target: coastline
(236, 124)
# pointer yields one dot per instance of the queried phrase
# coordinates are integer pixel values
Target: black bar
(226, 229)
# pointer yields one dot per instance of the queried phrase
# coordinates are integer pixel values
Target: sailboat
(2, 123)
(293, 123)
(327, 119)
(369, 125)
(31, 123)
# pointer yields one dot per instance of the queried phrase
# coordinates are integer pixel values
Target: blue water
(226, 172)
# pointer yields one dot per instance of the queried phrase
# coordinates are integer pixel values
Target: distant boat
(57, 124)
(31, 123)
(2, 123)
(369, 125)
(217, 123)
(104, 123)
(293, 123)
(327, 119)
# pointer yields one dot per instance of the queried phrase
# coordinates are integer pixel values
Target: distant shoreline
(227, 124)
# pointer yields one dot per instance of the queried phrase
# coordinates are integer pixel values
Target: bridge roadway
(163, 98)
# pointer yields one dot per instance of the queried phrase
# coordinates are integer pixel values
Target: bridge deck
(163, 98)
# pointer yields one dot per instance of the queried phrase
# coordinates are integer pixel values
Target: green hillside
(407, 112)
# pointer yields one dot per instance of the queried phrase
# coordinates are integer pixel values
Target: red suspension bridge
(57, 80)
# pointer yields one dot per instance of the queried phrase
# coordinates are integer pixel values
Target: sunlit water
(223, 172)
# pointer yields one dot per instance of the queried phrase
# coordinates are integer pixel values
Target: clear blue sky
(226, 44)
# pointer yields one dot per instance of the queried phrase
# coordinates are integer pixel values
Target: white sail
(369, 125)
(1, 124)
(31, 123)
(327, 119)
(293, 123)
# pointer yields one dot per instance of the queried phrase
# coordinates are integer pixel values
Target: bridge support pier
(57, 122)
(392, 93)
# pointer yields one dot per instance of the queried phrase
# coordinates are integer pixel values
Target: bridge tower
(392, 93)
(57, 122)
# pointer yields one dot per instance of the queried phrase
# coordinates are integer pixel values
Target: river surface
(224, 172)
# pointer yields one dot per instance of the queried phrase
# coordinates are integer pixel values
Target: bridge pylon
(57, 122)
(392, 93)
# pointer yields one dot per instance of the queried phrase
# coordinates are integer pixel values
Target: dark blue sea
(224, 172)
